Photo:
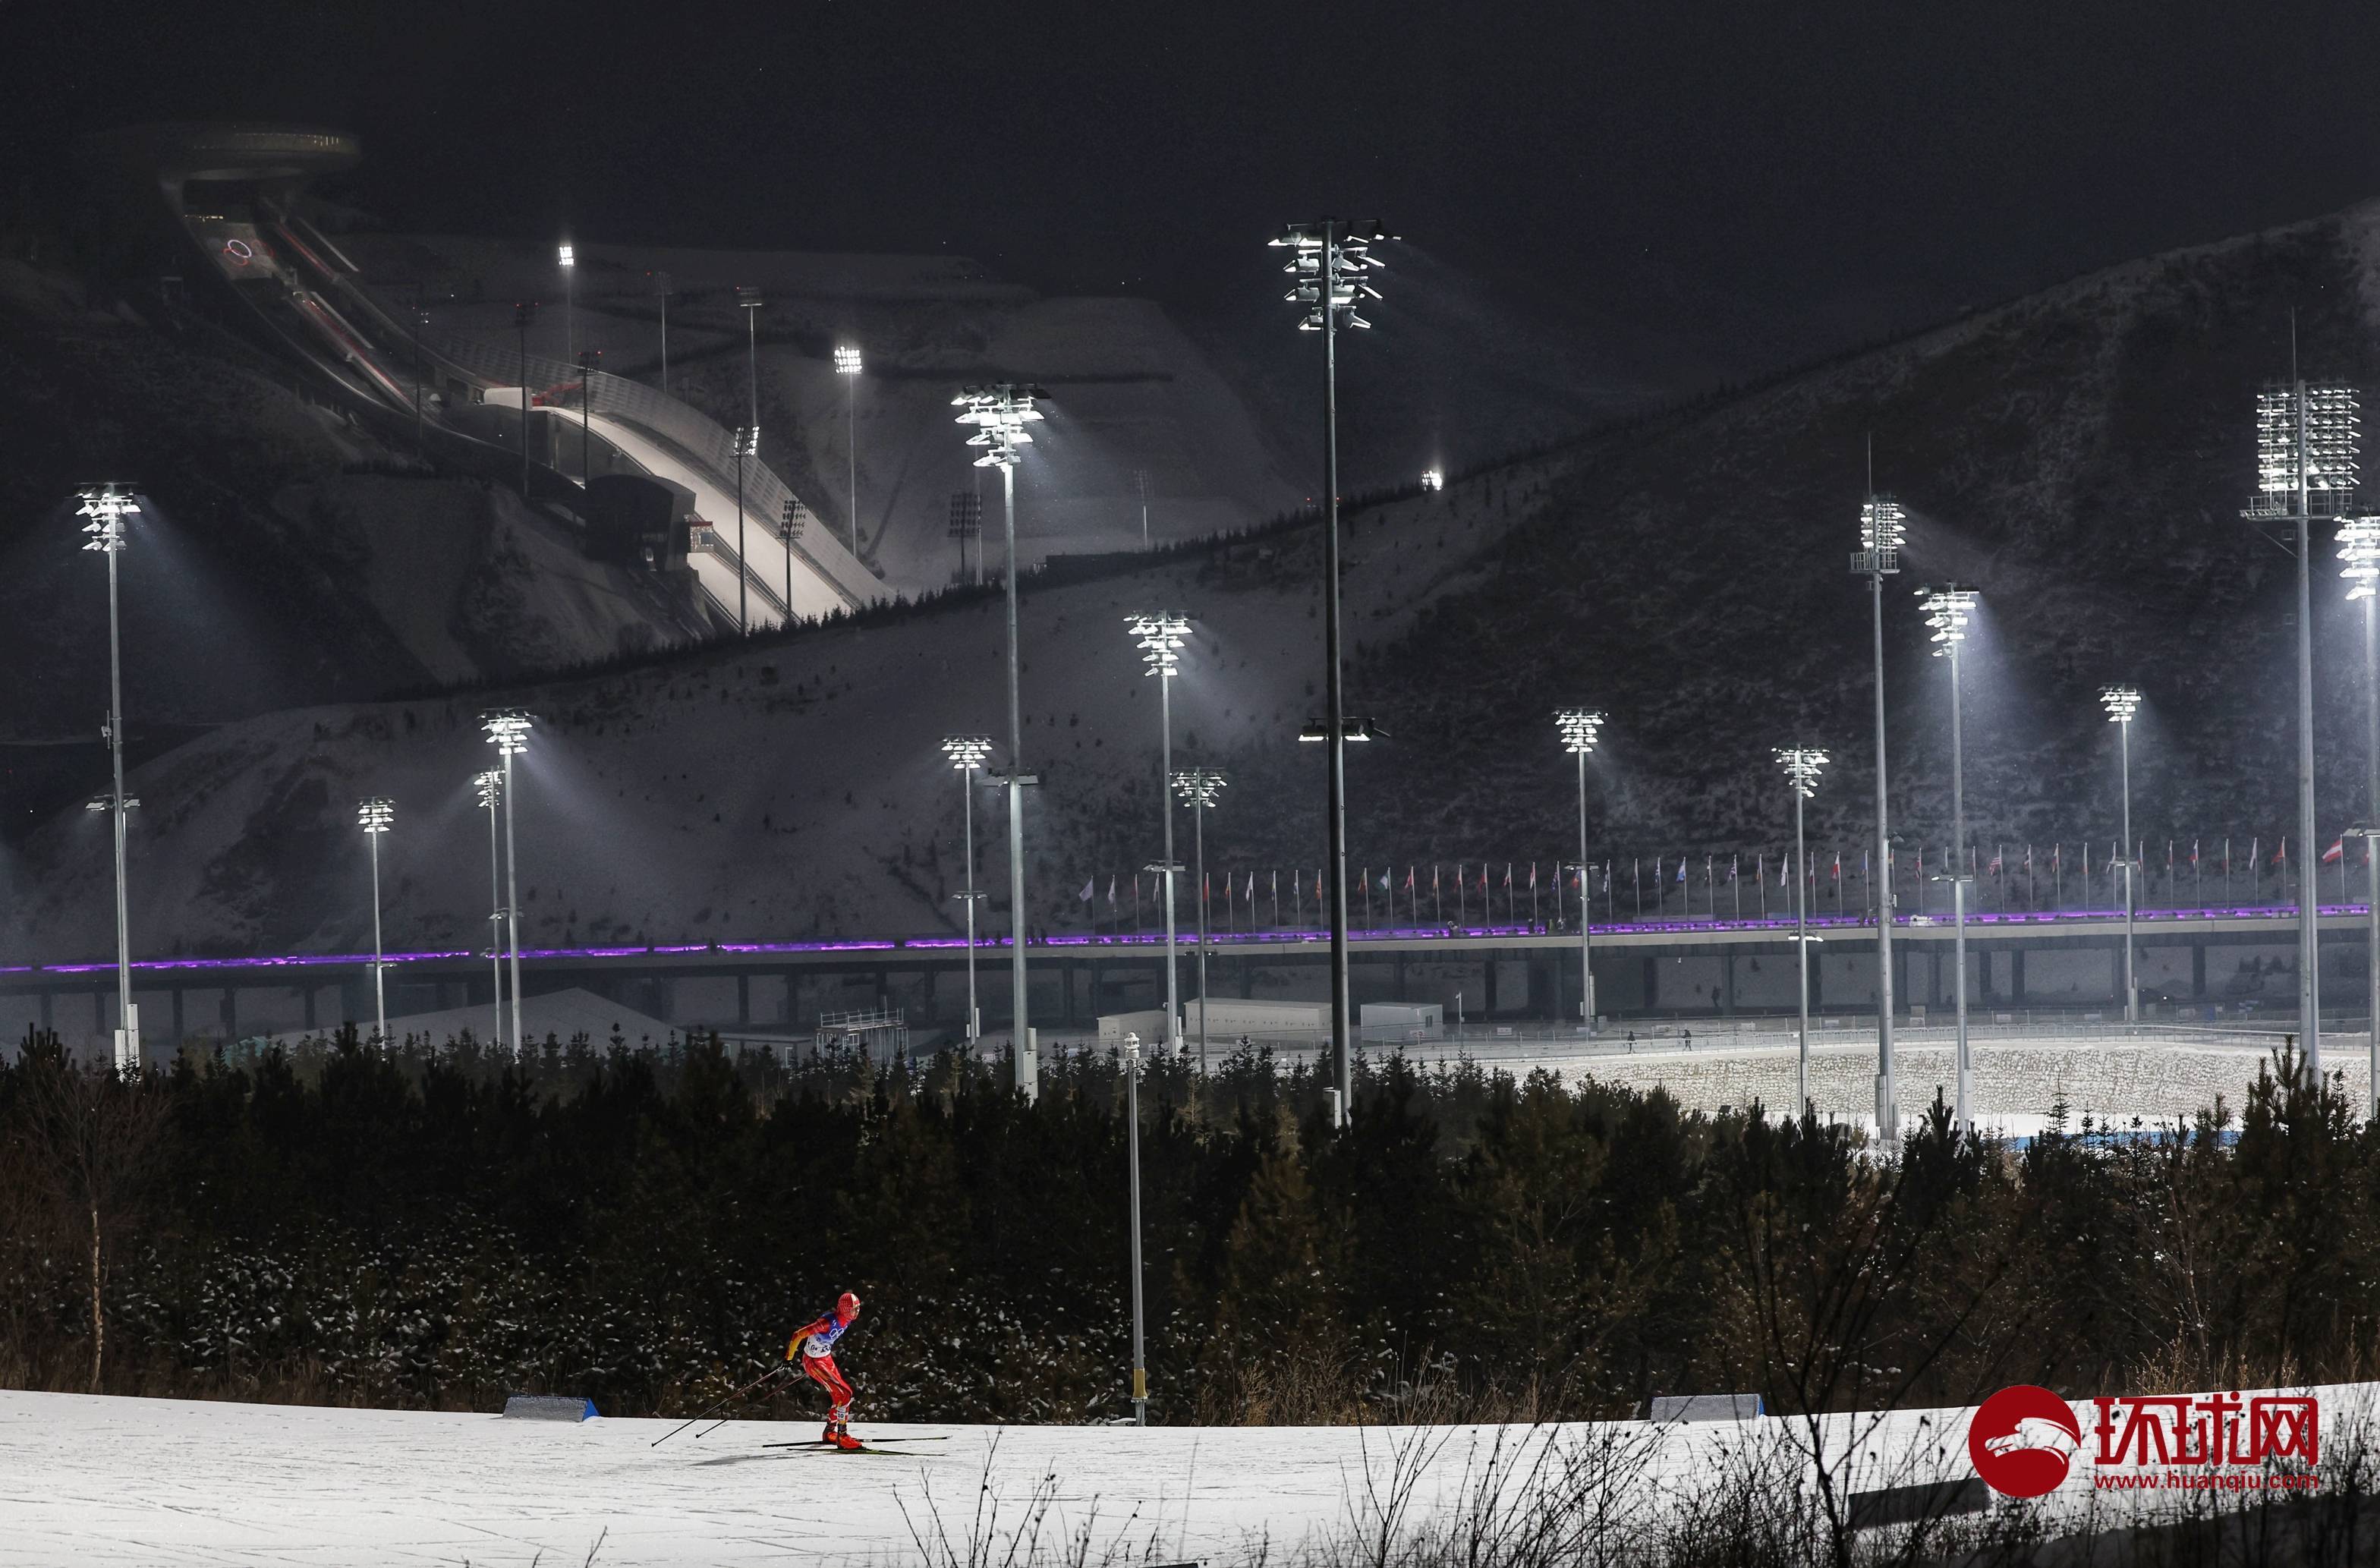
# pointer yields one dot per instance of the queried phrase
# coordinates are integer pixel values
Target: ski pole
(715, 1405)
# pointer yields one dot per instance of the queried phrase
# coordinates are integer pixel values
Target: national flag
(1086, 893)
(1994, 869)
(2282, 855)
(1732, 868)
(1533, 876)
(1682, 870)
(1508, 876)
(1384, 881)
(2193, 852)
(1838, 867)
(1409, 879)
(1607, 876)
(2336, 850)
(1433, 878)
(1111, 899)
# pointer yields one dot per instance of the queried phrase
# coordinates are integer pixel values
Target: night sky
(1724, 186)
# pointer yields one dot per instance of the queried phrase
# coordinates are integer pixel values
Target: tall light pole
(662, 293)
(2122, 702)
(2306, 435)
(491, 786)
(1946, 609)
(568, 257)
(1578, 728)
(524, 312)
(1132, 1155)
(1327, 265)
(374, 816)
(1200, 789)
(508, 732)
(1883, 525)
(1160, 637)
(748, 445)
(1000, 414)
(967, 753)
(748, 301)
(2359, 547)
(107, 505)
(587, 360)
(790, 524)
(1803, 766)
(847, 365)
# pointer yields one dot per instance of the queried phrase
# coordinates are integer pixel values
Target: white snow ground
(103, 1481)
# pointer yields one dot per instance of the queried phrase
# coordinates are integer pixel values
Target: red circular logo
(2022, 1440)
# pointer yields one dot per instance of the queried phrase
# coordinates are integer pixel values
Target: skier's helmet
(846, 1306)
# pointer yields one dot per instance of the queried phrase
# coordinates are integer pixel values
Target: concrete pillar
(2016, 976)
(2198, 971)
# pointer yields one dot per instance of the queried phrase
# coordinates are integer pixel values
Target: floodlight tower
(748, 301)
(998, 414)
(661, 292)
(1200, 789)
(374, 816)
(748, 445)
(1132, 1153)
(967, 753)
(1327, 261)
(847, 365)
(568, 257)
(508, 732)
(107, 505)
(490, 786)
(1883, 525)
(2359, 547)
(2306, 439)
(2122, 702)
(1160, 637)
(1578, 728)
(1801, 767)
(1946, 609)
(791, 521)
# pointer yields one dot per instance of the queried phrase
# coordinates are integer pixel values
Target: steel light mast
(847, 365)
(1160, 637)
(1200, 789)
(1801, 766)
(374, 816)
(998, 414)
(2359, 548)
(1328, 265)
(508, 732)
(2306, 437)
(491, 788)
(1578, 728)
(967, 753)
(1883, 525)
(107, 505)
(1947, 611)
(2121, 702)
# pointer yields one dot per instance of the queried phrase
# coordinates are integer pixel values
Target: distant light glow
(2120, 702)
(1946, 609)
(1160, 637)
(1578, 728)
(2358, 551)
(1433, 478)
(1802, 765)
(569, 257)
(846, 361)
(375, 815)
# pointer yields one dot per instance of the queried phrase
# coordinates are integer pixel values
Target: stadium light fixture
(1327, 266)
(508, 732)
(1802, 765)
(491, 788)
(1433, 480)
(1578, 728)
(1159, 638)
(998, 414)
(567, 255)
(1884, 523)
(2307, 436)
(967, 753)
(1947, 611)
(2358, 551)
(374, 816)
(107, 505)
(747, 445)
(847, 365)
(2121, 702)
(1200, 789)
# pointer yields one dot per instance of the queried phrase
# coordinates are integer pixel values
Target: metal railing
(701, 439)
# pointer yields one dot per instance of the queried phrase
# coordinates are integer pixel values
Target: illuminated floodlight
(1577, 727)
(1801, 766)
(2331, 429)
(2120, 702)
(1159, 638)
(1884, 527)
(569, 257)
(2359, 553)
(748, 297)
(507, 731)
(103, 802)
(1946, 609)
(967, 752)
(792, 518)
(491, 788)
(846, 361)
(375, 815)
(1433, 478)
(748, 440)
(106, 505)
(1316, 731)
(999, 413)
(1201, 787)
(1330, 258)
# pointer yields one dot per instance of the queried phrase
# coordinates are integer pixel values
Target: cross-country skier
(814, 1342)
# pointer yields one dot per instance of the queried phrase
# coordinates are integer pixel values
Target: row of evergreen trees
(644, 1227)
